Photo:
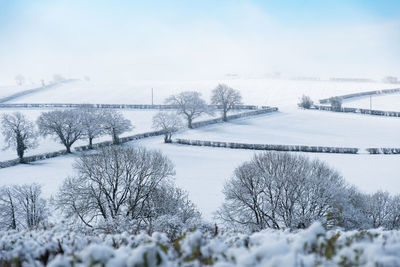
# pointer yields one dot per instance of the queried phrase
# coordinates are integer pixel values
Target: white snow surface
(387, 102)
(6, 90)
(305, 127)
(272, 92)
(202, 171)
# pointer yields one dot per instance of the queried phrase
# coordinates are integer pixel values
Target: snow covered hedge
(310, 247)
(376, 92)
(316, 149)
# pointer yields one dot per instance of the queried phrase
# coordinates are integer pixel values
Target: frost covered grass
(314, 246)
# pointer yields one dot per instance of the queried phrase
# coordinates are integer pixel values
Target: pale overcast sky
(158, 40)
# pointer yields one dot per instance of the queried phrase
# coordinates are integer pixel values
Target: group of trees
(66, 126)
(114, 189)
(285, 191)
(190, 105)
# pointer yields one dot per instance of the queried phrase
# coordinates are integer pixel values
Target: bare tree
(280, 190)
(306, 102)
(227, 98)
(19, 133)
(168, 123)
(57, 78)
(22, 207)
(65, 125)
(113, 183)
(20, 79)
(336, 103)
(115, 124)
(92, 120)
(8, 212)
(189, 105)
(33, 210)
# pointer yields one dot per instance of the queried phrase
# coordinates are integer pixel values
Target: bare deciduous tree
(227, 98)
(19, 133)
(65, 125)
(92, 120)
(190, 104)
(114, 183)
(167, 122)
(22, 207)
(280, 190)
(306, 102)
(115, 124)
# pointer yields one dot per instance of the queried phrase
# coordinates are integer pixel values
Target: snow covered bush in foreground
(310, 247)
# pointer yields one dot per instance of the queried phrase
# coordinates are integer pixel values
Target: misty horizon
(133, 41)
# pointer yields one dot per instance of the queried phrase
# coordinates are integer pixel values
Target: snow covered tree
(19, 133)
(20, 79)
(280, 190)
(336, 103)
(227, 98)
(190, 105)
(306, 102)
(8, 206)
(92, 123)
(21, 206)
(64, 125)
(114, 184)
(115, 124)
(168, 123)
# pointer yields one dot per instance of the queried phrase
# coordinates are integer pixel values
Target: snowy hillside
(390, 102)
(255, 91)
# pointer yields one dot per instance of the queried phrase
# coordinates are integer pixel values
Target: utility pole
(370, 102)
(152, 97)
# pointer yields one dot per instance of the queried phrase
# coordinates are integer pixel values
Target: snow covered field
(271, 92)
(13, 89)
(389, 102)
(202, 171)
(305, 127)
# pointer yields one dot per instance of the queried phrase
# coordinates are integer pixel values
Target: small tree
(306, 102)
(19, 133)
(115, 124)
(64, 125)
(189, 104)
(92, 120)
(227, 98)
(22, 207)
(20, 79)
(336, 103)
(168, 123)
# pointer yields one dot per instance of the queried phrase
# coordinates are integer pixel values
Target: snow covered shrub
(306, 102)
(21, 207)
(314, 246)
(281, 190)
(124, 189)
(336, 103)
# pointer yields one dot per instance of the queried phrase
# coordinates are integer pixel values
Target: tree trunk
(224, 117)
(90, 142)
(115, 138)
(20, 149)
(190, 123)
(68, 147)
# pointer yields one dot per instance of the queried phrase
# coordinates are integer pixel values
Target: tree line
(87, 123)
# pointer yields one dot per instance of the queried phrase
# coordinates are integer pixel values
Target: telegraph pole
(370, 102)
(152, 97)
